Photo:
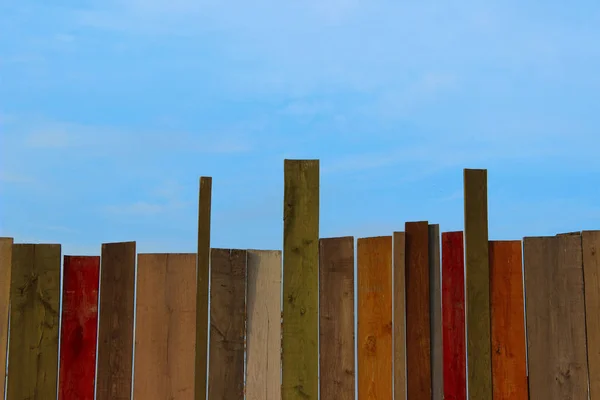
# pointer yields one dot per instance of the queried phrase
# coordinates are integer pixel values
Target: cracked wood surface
(6, 245)
(165, 326)
(35, 293)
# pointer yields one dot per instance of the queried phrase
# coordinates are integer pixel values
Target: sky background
(110, 111)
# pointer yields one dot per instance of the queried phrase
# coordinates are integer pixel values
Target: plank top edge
(337, 238)
(374, 237)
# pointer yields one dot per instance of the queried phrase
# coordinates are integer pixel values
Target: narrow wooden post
(591, 273)
(6, 245)
(399, 311)
(435, 295)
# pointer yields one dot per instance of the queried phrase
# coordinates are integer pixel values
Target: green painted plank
(35, 297)
(300, 341)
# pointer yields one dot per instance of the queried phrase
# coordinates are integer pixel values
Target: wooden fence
(438, 316)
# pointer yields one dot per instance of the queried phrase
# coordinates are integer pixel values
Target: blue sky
(111, 110)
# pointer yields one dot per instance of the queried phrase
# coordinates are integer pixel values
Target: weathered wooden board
(374, 265)
(591, 274)
(6, 245)
(435, 295)
(509, 364)
(399, 320)
(453, 320)
(479, 347)
(202, 282)
(165, 326)
(79, 327)
(555, 316)
(418, 315)
(336, 303)
(300, 343)
(263, 337)
(115, 332)
(35, 298)
(227, 324)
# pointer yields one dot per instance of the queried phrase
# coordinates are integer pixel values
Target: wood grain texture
(509, 365)
(6, 245)
(374, 265)
(227, 324)
(479, 345)
(591, 273)
(115, 332)
(263, 338)
(202, 282)
(79, 327)
(555, 316)
(35, 297)
(165, 327)
(435, 296)
(418, 315)
(300, 343)
(336, 303)
(399, 319)
(453, 320)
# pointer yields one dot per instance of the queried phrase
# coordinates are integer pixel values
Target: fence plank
(300, 343)
(165, 326)
(336, 291)
(399, 320)
(115, 332)
(35, 297)
(435, 281)
(591, 271)
(478, 285)
(509, 365)
(263, 338)
(202, 282)
(453, 308)
(374, 317)
(6, 245)
(79, 328)
(555, 318)
(227, 324)
(418, 316)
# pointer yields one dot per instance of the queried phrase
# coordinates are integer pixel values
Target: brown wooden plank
(202, 282)
(6, 245)
(227, 324)
(115, 332)
(165, 326)
(263, 337)
(300, 340)
(555, 318)
(336, 303)
(399, 318)
(435, 295)
(418, 315)
(478, 285)
(509, 365)
(591, 273)
(374, 259)
(33, 347)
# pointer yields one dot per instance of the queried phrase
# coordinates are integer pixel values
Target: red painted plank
(79, 327)
(453, 316)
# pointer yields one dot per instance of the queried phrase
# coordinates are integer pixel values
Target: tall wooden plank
(591, 274)
(115, 332)
(300, 343)
(453, 320)
(399, 319)
(263, 337)
(6, 245)
(336, 331)
(374, 265)
(33, 347)
(555, 315)
(202, 281)
(479, 347)
(509, 365)
(165, 326)
(435, 295)
(418, 314)
(79, 328)
(227, 324)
